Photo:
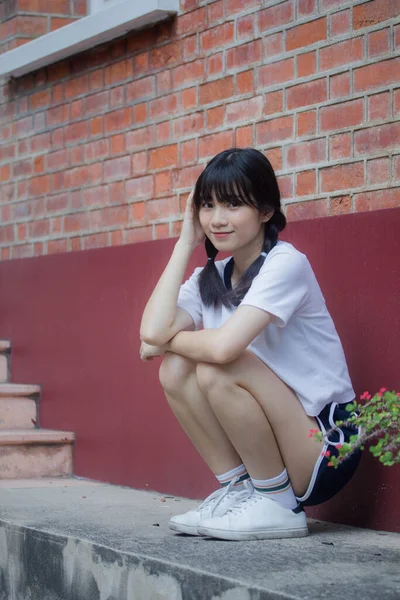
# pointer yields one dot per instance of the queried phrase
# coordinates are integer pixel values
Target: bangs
(224, 183)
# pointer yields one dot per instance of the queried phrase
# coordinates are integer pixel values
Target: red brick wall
(24, 20)
(102, 149)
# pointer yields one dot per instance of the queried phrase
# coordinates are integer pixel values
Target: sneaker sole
(180, 528)
(253, 535)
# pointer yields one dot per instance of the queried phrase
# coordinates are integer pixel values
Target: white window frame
(98, 27)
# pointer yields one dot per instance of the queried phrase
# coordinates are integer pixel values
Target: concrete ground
(82, 540)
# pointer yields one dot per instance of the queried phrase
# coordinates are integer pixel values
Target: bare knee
(209, 377)
(174, 370)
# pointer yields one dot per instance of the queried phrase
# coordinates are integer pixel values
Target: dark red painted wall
(73, 320)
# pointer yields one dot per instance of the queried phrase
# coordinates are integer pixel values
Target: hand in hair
(148, 352)
(192, 232)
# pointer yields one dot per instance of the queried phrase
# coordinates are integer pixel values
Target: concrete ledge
(91, 541)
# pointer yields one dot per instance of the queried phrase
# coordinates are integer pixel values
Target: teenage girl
(252, 360)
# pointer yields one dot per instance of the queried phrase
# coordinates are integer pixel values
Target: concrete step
(5, 348)
(18, 406)
(106, 541)
(26, 453)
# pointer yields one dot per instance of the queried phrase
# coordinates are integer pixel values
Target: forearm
(200, 346)
(160, 312)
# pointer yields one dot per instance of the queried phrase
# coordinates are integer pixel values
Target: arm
(225, 344)
(161, 318)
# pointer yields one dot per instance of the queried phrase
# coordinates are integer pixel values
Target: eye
(206, 204)
(233, 203)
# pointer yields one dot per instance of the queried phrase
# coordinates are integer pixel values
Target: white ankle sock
(278, 489)
(226, 478)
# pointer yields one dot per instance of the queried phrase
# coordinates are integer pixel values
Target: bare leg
(192, 410)
(262, 417)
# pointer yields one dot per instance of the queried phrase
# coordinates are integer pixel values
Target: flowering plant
(379, 418)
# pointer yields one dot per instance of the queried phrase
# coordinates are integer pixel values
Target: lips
(221, 234)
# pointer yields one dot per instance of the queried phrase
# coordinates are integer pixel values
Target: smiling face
(233, 226)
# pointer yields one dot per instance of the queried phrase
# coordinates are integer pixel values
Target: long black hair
(245, 176)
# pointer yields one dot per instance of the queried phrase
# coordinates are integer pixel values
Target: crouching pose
(252, 360)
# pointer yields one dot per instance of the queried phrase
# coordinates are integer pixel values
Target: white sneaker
(215, 505)
(256, 518)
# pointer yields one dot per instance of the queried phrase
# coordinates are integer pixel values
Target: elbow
(153, 338)
(224, 353)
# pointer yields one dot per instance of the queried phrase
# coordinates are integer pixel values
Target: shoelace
(217, 496)
(244, 502)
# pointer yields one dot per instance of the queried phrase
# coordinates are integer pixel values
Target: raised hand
(192, 232)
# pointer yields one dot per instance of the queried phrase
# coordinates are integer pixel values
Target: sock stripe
(274, 489)
(241, 478)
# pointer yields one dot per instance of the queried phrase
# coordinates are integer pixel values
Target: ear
(267, 216)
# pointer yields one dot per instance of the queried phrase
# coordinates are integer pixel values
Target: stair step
(18, 389)
(28, 453)
(17, 413)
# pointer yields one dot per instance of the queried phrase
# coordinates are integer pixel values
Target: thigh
(285, 414)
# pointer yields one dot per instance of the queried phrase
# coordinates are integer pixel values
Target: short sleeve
(189, 298)
(280, 287)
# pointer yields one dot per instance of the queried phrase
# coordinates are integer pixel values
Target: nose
(219, 216)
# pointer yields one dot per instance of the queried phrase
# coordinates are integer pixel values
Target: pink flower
(364, 395)
(327, 453)
(398, 394)
(312, 432)
(368, 396)
(379, 394)
(339, 446)
(330, 464)
(382, 390)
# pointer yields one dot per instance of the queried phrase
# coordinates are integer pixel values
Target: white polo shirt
(302, 345)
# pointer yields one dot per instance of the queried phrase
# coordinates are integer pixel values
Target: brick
(340, 22)
(38, 164)
(6, 234)
(76, 132)
(339, 85)
(109, 217)
(217, 90)
(38, 229)
(277, 72)
(139, 138)
(138, 212)
(376, 75)
(396, 167)
(57, 203)
(77, 86)
(396, 102)
(140, 114)
(191, 22)
(139, 187)
(306, 94)
(39, 100)
(57, 160)
(141, 89)
(96, 79)
(139, 234)
(244, 55)
(190, 49)
(96, 150)
(306, 183)
(162, 208)
(273, 102)
(312, 209)
(340, 116)
(306, 153)
(342, 177)
(272, 45)
(274, 156)
(117, 96)
(215, 12)
(164, 107)
(307, 34)
(117, 144)
(371, 13)
(162, 183)
(186, 177)
(235, 6)
(22, 251)
(278, 129)
(161, 158)
(244, 110)
(32, 26)
(164, 82)
(306, 7)
(39, 185)
(210, 145)
(141, 63)
(117, 120)
(376, 139)
(76, 177)
(245, 27)
(244, 137)
(188, 74)
(76, 109)
(275, 16)
(189, 98)
(343, 53)
(22, 232)
(163, 132)
(378, 171)
(96, 126)
(340, 205)
(215, 64)
(188, 152)
(217, 37)
(306, 64)
(22, 168)
(56, 246)
(397, 36)
(245, 82)
(58, 22)
(340, 146)
(286, 188)
(376, 200)
(187, 125)
(117, 168)
(95, 196)
(119, 71)
(379, 106)
(161, 231)
(215, 117)
(378, 42)
(165, 56)
(116, 191)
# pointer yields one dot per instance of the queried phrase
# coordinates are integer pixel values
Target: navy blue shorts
(326, 481)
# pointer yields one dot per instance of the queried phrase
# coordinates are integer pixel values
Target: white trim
(85, 33)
